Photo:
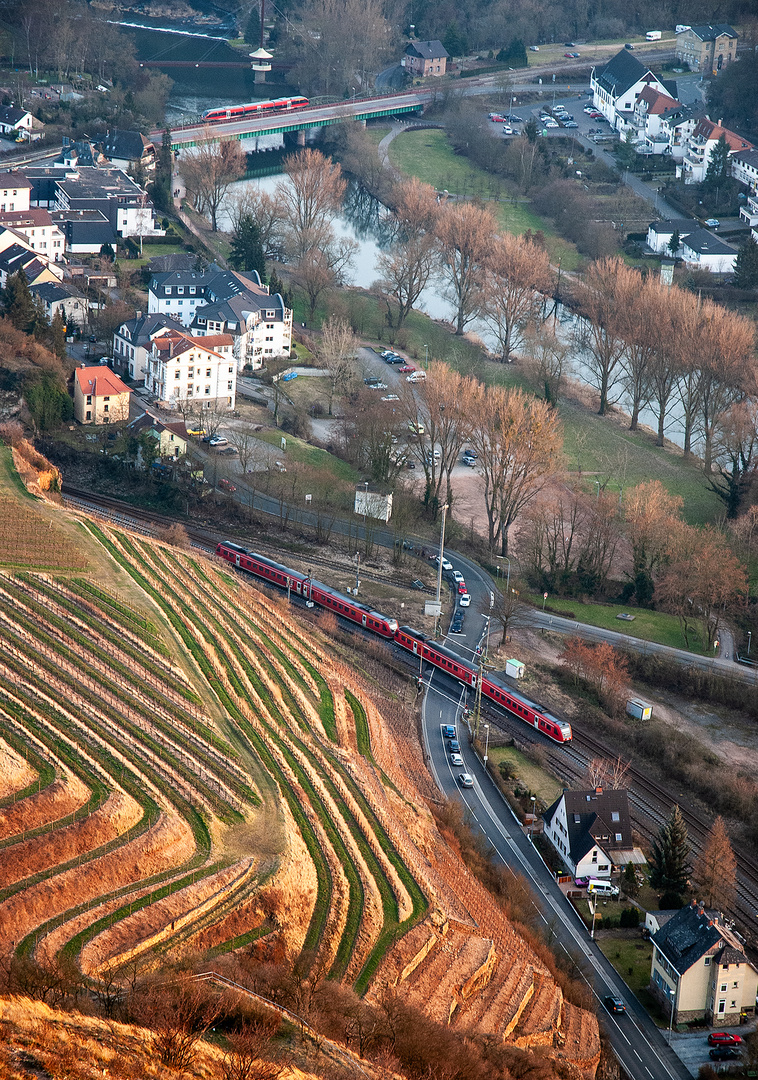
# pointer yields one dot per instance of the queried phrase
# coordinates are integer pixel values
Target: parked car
(378, 386)
(724, 1038)
(589, 108)
(712, 222)
(390, 397)
(572, 55)
(410, 464)
(511, 118)
(395, 359)
(289, 376)
(534, 48)
(465, 599)
(468, 452)
(416, 376)
(197, 432)
(406, 368)
(456, 626)
(466, 780)
(470, 461)
(507, 130)
(462, 588)
(724, 1053)
(371, 380)
(386, 353)
(570, 44)
(226, 485)
(496, 118)
(629, 47)
(218, 440)
(447, 566)
(570, 124)
(614, 1004)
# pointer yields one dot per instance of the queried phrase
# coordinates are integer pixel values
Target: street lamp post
(749, 639)
(439, 565)
(672, 1008)
(593, 909)
(486, 743)
(353, 89)
(505, 558)
(426, 357)
(534, 814)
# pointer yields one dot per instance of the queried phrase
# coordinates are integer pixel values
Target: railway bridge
(298, 121)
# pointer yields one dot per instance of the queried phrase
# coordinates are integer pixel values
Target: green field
(647, 625)
(631, 960)
(429, 156)
(540, 783)
(303, 452)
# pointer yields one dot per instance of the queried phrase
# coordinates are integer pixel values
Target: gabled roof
(141, 330)
(711, 31)
(9, 114)
(237, 308)
(747, 157)
(427, 50)
(688, 936)
(34, 217)
(100, 381)
(147, 422)
(621, 72)
(706, 129)
(684, 226)
(173, 343)
(125, 145)
(53, 294)
(703, 242)
(595, 818)
(656, 102)
(13, 179)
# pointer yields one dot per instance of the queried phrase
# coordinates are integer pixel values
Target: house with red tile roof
(100, 397)
(184, 368)
(702, 143)
(650, 106)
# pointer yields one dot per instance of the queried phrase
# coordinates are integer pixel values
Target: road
(638, 1043)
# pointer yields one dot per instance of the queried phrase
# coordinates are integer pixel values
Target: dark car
(724, 1038)
(454, 746)
(629, 47)
(614, 1004)
(724, 1053)
(570, 44)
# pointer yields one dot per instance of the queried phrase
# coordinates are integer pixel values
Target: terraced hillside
(198, 771)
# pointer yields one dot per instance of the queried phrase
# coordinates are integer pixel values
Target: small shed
(639, 709)
(515, 669)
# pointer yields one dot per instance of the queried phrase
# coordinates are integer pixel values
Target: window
(180, 290)
(722, 988)
(106, 408)
(735, 985)
(207, 391)
(732, 1004)
(722, 1007)
(207, 373)
(177, 374)
(192, 290)
(106, 398)
(168, 290)
(88, 414)
(89, 399)
(231, 370)
(615, 816)
(707, 961)
(594, 856)
(230, 386)
(618, 837)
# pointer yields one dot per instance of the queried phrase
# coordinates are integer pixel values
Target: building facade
(699, 970)
(707, 48)
(192, 371)
(100, 397)
(133, 343)
(617, 85)
(592, 831)
(424, 58)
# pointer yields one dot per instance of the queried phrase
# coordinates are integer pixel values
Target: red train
(428, 649)
(235, 112)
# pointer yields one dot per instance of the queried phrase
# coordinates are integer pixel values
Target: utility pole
(482, 665)
(439, 567)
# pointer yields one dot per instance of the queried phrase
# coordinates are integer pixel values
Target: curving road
(638, 1043)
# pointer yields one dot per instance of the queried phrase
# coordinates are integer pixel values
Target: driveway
(692, 1047)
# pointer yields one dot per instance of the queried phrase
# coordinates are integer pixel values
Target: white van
(602, 888)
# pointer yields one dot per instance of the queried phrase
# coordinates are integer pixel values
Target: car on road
(468, 452)
(457, 575)
(723, 1053)
(511, 118)
(464, 599)
(629, 46)
(572, 55)
(456, 626)
(217, 440)
(406, 368)
(226, 485)
(496, 118)
(390, 397)
(454, 746)
(466, 780)
(614, 1004)
(456, 759)
(724, 1038)
(448, 730)
(447, 566)
(471, 462)
(462, 587)
(197, 432)
(712, 222)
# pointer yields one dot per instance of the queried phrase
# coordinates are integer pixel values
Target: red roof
(100, 381)
(175, 343)
(656, 101)
(706, 129)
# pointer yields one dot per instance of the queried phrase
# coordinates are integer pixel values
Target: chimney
(83, 364)
(598, 791)
(139, 315)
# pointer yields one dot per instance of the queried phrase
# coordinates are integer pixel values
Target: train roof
(538, 706)
(434, 644)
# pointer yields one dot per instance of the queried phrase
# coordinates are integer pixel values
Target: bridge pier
(301, 137)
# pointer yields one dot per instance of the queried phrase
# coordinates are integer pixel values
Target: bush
(629, 917)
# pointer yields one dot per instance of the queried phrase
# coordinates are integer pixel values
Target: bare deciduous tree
(465, 233)
(337, 350)
(602, 331)
(516, 272)
(209, 170)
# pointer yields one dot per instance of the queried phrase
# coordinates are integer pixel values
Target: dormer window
(270, 314)
(168, 290)
(615, 816)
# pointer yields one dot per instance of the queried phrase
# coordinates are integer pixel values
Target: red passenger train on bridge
(426, 649)
(255, 108)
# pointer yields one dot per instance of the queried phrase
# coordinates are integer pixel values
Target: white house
(705, 251)
(182, 368)
(659, 233)
(15, 191)
(172, 439)
(43, 234)
(133, 342)
(592, 832)
(218, 301)
(677, 124)
(744, 165)
(64, 298)
(617, 85)
(700, 145)
(20, 123)
(648, 110)
(749, 212)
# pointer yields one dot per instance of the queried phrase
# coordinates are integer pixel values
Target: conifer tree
(58, 335)
(715, 872)
(18, 304)
(669, 861)
(746, 265)
(718, 164)
(674, 242)
(247, 250)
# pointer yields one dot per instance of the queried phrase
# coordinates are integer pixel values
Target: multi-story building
(617, 85)
(592, 831)
(425, 58)
(677, 124)
(116, 195)
(182, 369)
(15, 192)
(700, 146)
(218, 301)
(699, 970)
(650, 106)
(100, 397)
(62, 298)
(745, 168)
(40, 230)
(707, 48)
(133, 342)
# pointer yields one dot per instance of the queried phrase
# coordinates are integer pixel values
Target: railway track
(650, 802)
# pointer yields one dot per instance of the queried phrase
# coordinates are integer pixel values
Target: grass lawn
(631, 959)
(149, 251)
(540, 782)
(308, 390)
(647, 625)
(609, 452)
(376, 132)
(429, 156)
(300, 451)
